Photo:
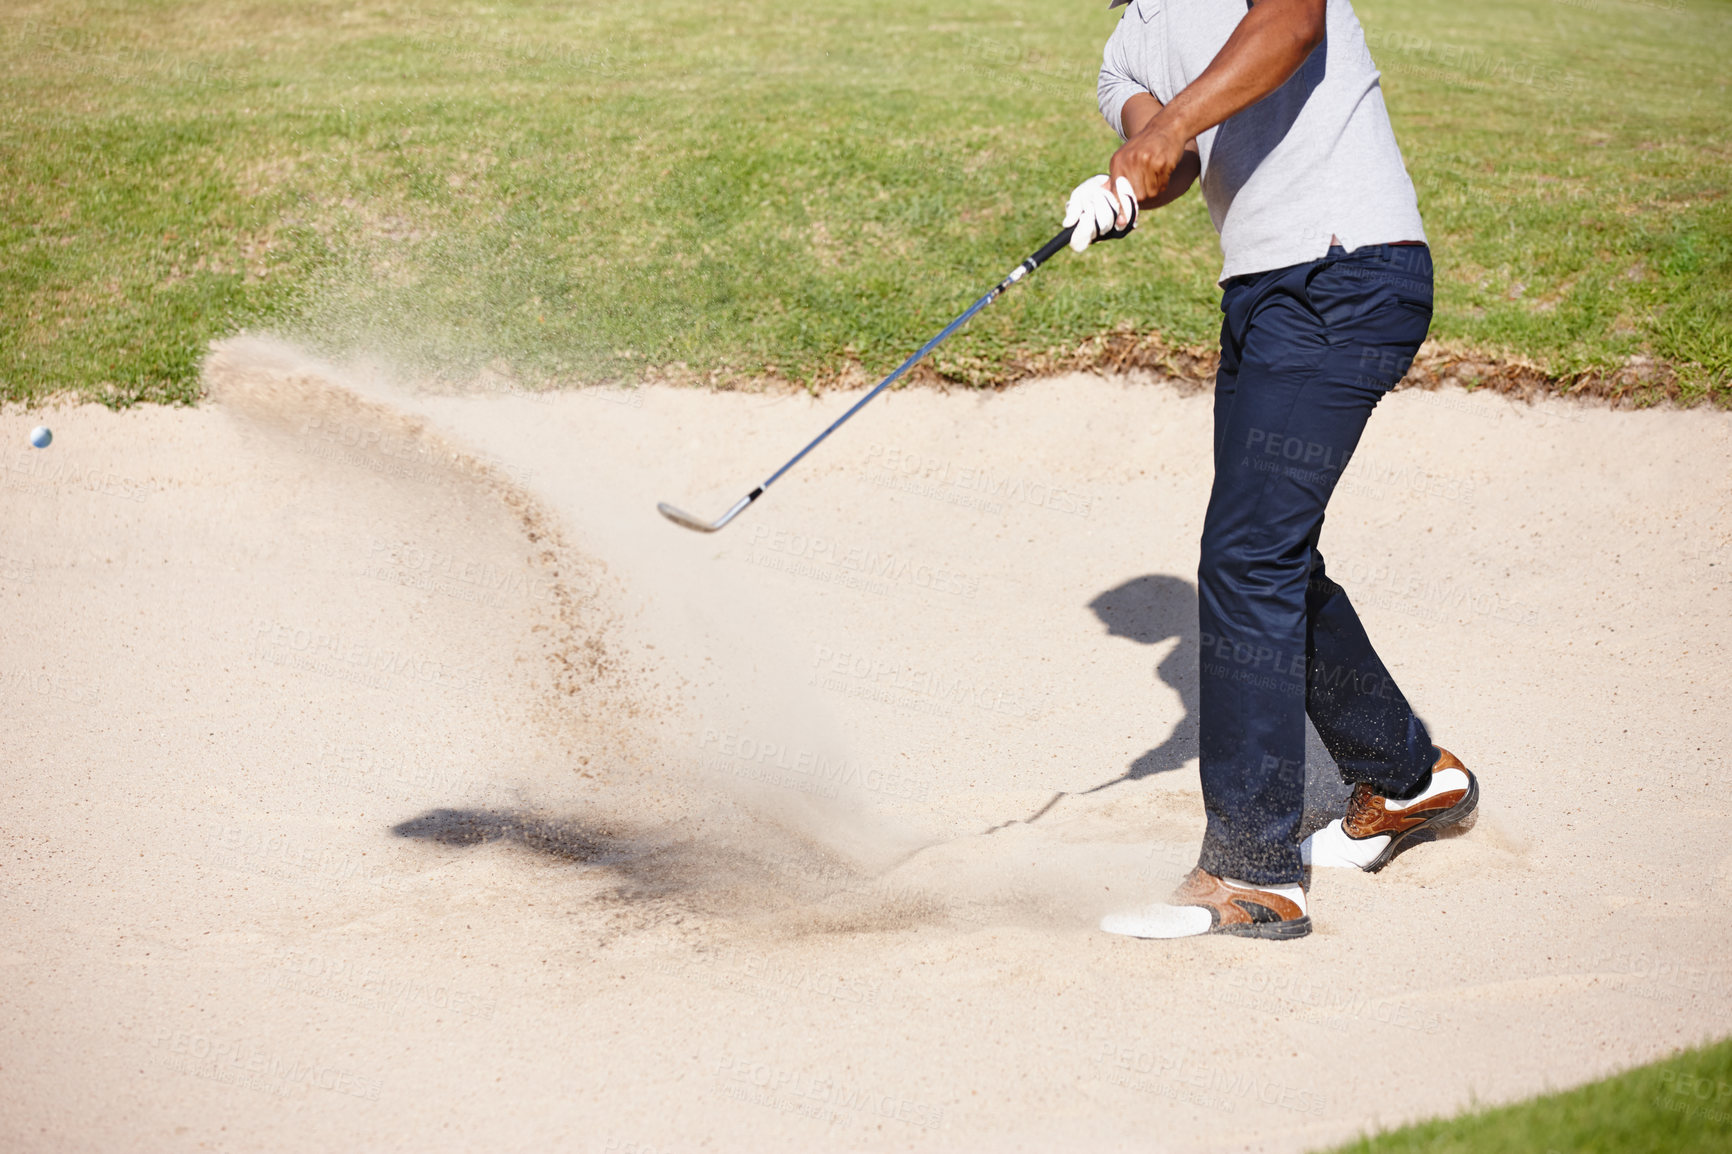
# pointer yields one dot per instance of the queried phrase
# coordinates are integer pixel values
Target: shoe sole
(1451, 816)
(1275, 931)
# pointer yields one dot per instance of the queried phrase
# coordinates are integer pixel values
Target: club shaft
(1033, 262)
(1039, 257)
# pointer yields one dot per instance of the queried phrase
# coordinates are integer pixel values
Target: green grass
(1682, 1105)
(585, 192)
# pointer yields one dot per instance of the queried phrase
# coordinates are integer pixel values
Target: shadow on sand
(1152, 610)
(645, 864)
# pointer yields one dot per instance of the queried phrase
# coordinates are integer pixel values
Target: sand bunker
(385, 773)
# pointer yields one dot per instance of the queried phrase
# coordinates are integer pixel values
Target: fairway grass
(1682, 1105)
(727, 190)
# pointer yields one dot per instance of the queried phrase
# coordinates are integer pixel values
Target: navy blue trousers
(1306, 354)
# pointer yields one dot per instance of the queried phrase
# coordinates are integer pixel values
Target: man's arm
(1140, 111)
(1267, 47)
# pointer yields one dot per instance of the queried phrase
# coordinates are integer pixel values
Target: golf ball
(41, 436)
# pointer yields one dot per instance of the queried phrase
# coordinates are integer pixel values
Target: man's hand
(1147, 161)
(1100, 208)
(1266, 48)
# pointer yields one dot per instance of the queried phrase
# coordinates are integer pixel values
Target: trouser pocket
(1375, 305)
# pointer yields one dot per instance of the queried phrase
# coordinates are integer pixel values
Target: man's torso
(1313, 161)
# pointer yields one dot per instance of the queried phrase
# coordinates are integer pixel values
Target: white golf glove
(1094, 210)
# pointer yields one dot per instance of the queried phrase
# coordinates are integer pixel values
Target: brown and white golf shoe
(1206, 904)
(1376, 826)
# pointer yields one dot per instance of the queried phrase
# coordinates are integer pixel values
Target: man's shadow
(1150, 610)
(1155, 608)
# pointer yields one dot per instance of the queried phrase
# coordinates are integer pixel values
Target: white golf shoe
(1375, 826)
(1206, 904)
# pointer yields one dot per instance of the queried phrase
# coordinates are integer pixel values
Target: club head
(685, 520)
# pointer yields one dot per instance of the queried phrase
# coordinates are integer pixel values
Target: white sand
(341, 814)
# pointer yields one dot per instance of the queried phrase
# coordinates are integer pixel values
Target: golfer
(1274, 106)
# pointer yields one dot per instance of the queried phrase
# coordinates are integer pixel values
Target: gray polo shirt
(1315, 158)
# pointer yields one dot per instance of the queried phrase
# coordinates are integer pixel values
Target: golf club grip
(1050, 247)
(1063, 238)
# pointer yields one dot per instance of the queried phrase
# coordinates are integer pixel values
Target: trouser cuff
(1399, 778)
(1261, 864)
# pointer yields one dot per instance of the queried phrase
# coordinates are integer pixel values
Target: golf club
(686, 520)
